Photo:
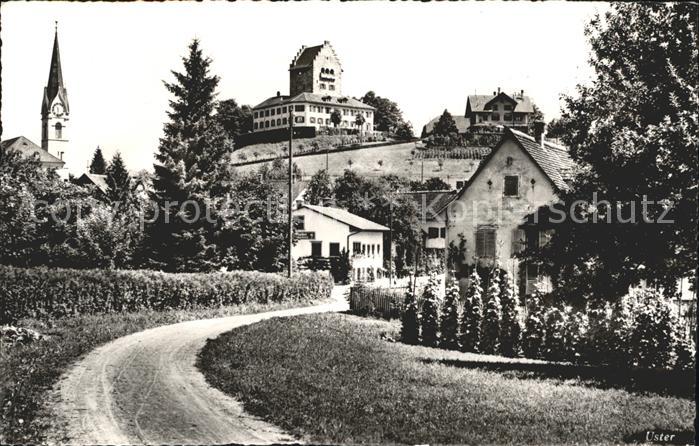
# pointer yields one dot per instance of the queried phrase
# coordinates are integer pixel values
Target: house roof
(347, 218)
(28, 148)
(479, 102)
(306, 56)
(552, 159)
(462, 124)
(434, 200)
(99, 181)
(344, 101)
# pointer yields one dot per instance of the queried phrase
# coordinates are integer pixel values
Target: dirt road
(145, 388)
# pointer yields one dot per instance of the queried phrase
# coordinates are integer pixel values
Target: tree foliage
(192, 171)
(118, 180)
(445, 125)
(633, 132)
(320, 189)
(233, 118)
(449, 323)
(472, 315)
(98, 165)
(429, 316)
(490, 329)
(410, 321)
(510, 328)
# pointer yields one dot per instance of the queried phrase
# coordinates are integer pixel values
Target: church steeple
(54, 108)
(54, 86)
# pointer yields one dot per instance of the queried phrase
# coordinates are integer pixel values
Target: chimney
(498, 90)
(494, 93)
(521, 93)
(539, 129)
(278, 94)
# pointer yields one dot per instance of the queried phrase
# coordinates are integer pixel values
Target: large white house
(324, 232)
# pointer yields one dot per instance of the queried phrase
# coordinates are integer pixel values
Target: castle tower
(54, 109)
(316, 69)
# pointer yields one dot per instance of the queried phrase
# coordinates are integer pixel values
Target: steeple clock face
(57, 109)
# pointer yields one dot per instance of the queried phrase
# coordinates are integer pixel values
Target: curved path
(145, 388)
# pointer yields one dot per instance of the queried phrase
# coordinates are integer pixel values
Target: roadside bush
(429, 320)
(653, 337)
(44, 293)
(449, 325)
(472, 314)
(510, 328)
(410, 324)
(490, 336)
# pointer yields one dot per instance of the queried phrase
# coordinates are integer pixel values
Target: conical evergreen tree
(192, 172)
(410, 324)
(449, 325)
(472, 315)
(98, 165)
(118, 180)
(510, 327)
(534, 327)
(429, 320)
(490, 336)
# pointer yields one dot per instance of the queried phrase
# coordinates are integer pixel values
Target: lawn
(339, 379)
(27, 372)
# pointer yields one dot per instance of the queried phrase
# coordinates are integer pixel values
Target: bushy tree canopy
(633, 131)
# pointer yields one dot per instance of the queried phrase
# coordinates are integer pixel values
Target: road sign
(306, 235)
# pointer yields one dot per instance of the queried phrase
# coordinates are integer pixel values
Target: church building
(315, 87)
(55, 112)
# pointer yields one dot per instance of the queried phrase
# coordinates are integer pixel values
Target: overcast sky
(424, 56)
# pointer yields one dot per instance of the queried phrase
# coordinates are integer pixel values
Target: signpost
(306, 235)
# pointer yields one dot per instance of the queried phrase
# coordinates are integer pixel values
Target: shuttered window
(511, 186)
(485, 242)
(519, 241)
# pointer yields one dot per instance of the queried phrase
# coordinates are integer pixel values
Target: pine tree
(429, 320)
(98, 165)
(118, 180)
(490, 331)
(446, 125)
(410, 324)
(510, 327)
(472, 315)
(193, 172)
(449, 325)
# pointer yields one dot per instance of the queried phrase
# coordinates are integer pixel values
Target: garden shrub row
(45, 293)
(640, 332)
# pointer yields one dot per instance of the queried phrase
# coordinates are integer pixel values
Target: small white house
(324, 232)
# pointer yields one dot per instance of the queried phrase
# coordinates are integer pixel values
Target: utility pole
(327, 149)
(390, 242)
(291, 182)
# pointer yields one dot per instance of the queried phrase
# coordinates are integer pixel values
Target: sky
(424, 56)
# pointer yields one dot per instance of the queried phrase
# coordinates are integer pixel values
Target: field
(395, 159)
(338, 379)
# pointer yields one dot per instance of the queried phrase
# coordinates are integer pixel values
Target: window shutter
(480, 243)
(490, 243)
(518, 241)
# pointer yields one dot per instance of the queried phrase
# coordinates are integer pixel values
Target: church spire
(54, 86)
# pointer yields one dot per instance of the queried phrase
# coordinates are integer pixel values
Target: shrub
(341, 267)
(410, 324)
(534, 329)
(510, 328)
(608, 335)
(554, 334)
(652, 338)
(472, 315)
(44, 293)
(684, 354)
(574, 335)
(429, 320)
(490, 335)
(449, 324)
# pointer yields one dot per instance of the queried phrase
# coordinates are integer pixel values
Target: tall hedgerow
(429, 317)
(410, 323)
(574, 336)
(490, 330)
(449, 324)
(510, 326)
(472, 315)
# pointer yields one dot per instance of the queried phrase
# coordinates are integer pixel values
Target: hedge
(45, 293)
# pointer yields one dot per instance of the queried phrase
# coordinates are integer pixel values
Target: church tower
(54, 109)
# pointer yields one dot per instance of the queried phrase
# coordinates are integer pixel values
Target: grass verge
(28, 372)
(333, 379)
